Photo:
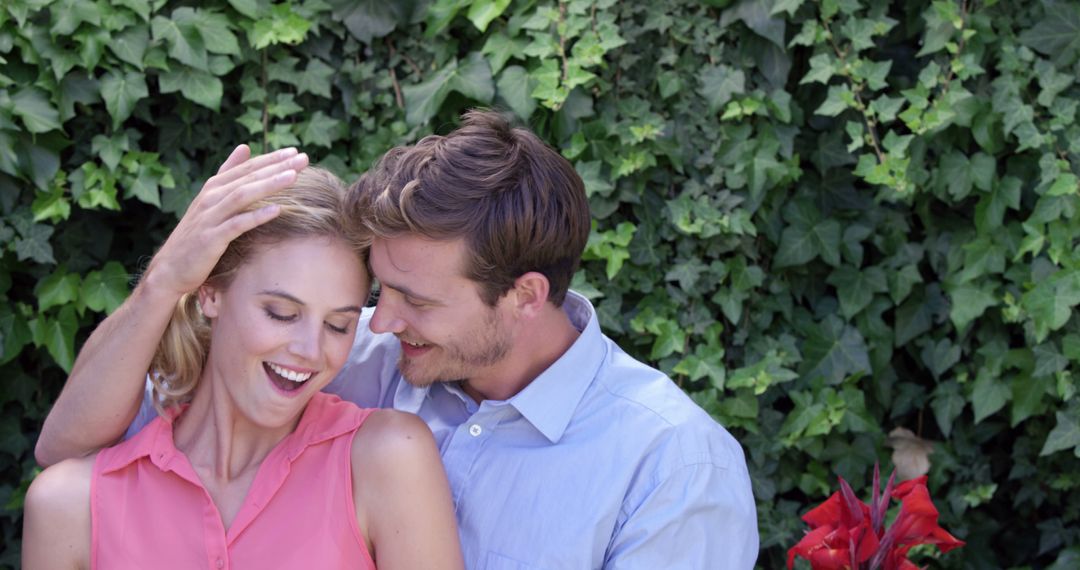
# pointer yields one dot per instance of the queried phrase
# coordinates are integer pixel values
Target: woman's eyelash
(277, 317)
(339, 330)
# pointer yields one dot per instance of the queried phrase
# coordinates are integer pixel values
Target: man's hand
(103, 392)
(219, 214)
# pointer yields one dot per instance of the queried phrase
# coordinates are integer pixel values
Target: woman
(250, 465)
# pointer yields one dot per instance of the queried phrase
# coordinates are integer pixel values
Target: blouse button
(220, 563)
(475, 430)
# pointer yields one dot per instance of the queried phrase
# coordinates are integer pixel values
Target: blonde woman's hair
(314, 206)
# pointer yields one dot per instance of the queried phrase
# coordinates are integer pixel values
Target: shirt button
(475, 430)
(220, 563)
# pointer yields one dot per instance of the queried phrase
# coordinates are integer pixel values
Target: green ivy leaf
(370, 19)
(718, 84)
(249, 8)
(130, 44)
(970, 301)
(940, 356)
(482, 12)
(321, 130)
(68, 15)
(59, 288)
(989, 395)
(121, 91)
(855, 288)
(106, 289)
(1057, 34)
(14, 333)
(316, 78)
(1027, 397)
(1065, 435)
(195, 85)
(948, 403)
(37, 113)
(34, 244)
(57, 335)
(834, 351)
(515, 88)
(182, 37)
(1050, 303)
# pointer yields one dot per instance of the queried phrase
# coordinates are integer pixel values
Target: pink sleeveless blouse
(149, 509)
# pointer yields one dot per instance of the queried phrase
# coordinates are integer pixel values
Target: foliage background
(825, 219)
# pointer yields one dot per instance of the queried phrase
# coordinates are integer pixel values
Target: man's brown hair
(517, 203)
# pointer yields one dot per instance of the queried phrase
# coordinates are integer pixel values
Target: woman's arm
(105, 386)
(56, 517)
(403, 502)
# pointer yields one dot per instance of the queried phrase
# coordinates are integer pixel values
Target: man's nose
(386, 319)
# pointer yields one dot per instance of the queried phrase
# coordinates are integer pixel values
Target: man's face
(447, 333)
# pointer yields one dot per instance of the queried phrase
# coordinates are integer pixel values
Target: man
(561, 450)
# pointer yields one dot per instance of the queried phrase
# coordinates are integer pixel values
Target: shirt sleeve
(700, 516)
(146, 413)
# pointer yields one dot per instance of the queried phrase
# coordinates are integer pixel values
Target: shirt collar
(325, 417)
(549, 401)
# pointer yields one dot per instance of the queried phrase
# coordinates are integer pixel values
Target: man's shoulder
(649, 404)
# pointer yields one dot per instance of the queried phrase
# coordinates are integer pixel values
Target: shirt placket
(466, 444)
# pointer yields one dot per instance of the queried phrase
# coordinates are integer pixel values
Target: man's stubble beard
(452, 363)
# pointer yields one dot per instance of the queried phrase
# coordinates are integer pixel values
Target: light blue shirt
(600, 462)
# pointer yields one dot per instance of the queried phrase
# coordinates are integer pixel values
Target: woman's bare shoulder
(393, 439)
(56, 516)
(65, 483)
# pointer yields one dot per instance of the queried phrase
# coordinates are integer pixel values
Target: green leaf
(32, 105)
(59, 288)
(130, 44)
(1027, 397)
(670, 339)
(121, 91)
(321, 130)
(182, 37)
(1057, 34)
(1050, 303)
(57, 335)
(970, 301)
(35, 245)
(948, 404)
(316, 78)
(515, 88)
(195, 85)
(1048, 360)
(1065, 435)
(838, 100)
(106, 289)
(989, 395)
(369, 19)
(499, 48)
(249, 8)
(14, 333)
(940, 356)
(834, 351)
(718, 84)
(472, 79)
(757, 16)
(216, 32)
(68, 15)
(482, 12)
(855, 289)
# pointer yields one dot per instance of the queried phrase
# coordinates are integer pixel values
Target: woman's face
(282, 329)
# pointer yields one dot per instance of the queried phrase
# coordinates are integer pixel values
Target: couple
(560, 451)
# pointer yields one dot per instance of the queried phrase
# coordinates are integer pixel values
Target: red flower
(846, 533)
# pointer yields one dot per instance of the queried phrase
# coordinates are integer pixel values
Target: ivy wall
(826, 219)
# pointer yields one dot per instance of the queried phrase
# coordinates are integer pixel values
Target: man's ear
(209, 297)
(530, 294)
